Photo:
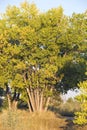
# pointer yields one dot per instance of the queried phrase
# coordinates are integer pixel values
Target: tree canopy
(41, 52)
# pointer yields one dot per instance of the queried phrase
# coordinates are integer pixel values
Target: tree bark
(36, 98)
(31, 99)
(29, 105)
(9, 101)
(41, 102)
(47, 103)
(14, 105)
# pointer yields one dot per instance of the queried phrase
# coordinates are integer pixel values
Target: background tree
(81, 116)
(73, 48)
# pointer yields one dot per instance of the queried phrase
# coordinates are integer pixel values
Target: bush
(66, 109)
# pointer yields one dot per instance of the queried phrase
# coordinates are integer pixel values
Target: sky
(70, 93)
(69, 6)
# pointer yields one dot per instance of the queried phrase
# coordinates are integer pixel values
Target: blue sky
(69, 6)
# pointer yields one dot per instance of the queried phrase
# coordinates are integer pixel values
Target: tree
(31, 54)
(34, 48)
(81, 116)
(73, 74)
(74, 48)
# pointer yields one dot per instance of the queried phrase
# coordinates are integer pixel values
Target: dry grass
(22, 120)
(67, 109)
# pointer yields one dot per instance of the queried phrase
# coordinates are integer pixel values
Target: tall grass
(69, 108)
(66, 109)
(22, 120)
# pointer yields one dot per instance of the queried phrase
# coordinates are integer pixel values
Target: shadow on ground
(69, 124)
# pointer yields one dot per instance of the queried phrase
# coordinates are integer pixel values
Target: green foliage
(73, 74)
(81, 116)
(67, 108)
(25, 47)
(42, 50)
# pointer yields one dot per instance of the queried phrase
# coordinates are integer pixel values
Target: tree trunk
(9, 101)
(14, 105)
(36, 93)
(38, 100)
(29, 105)
(47, 103)
(41, 102)
(31, 99)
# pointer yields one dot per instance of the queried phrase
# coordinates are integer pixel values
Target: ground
(23, 120)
